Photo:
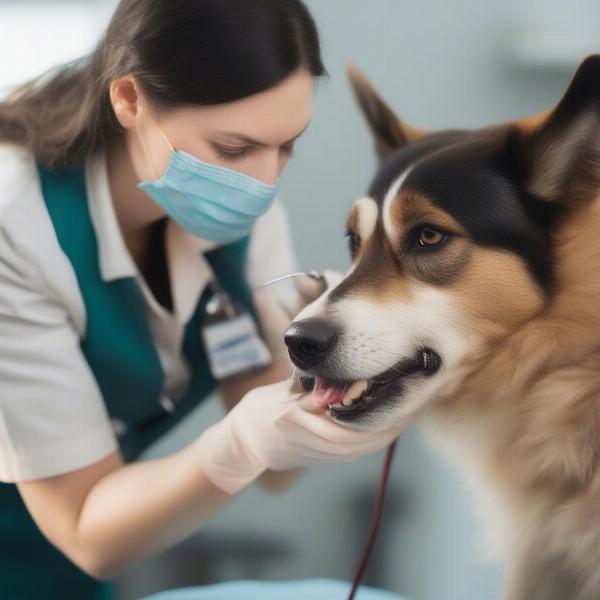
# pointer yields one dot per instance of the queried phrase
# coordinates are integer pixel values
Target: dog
(473, 303)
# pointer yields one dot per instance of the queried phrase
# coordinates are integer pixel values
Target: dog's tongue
(325, 394)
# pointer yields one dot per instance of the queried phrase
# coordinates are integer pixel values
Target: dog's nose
(309, 341)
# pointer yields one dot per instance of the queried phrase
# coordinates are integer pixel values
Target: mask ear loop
(165, 138)
(145, 148)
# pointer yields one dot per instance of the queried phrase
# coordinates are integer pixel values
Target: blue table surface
(304, 589)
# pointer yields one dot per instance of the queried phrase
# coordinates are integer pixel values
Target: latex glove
(275, 428)
(310, 289)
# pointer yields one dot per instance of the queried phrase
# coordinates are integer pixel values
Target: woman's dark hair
(181, 52)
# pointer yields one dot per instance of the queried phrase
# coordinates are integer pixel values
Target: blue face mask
(211, 202)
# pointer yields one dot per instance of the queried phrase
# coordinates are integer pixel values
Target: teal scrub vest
(120, 352)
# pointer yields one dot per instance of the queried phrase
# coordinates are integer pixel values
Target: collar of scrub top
(189, 271)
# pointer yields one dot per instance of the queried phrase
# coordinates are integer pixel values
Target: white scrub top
(52, 415)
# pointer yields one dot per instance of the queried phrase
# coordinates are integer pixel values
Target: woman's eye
(230, 153)
(428, 237)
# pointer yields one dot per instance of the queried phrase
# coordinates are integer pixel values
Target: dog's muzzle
(310, 341)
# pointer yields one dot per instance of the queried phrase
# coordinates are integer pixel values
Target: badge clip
(231, 338)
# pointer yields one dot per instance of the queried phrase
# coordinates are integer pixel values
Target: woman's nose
(268, 168)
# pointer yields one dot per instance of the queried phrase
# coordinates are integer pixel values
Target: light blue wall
(440, 64)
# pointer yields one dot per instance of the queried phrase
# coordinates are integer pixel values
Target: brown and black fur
(532, 399)
(520, 412)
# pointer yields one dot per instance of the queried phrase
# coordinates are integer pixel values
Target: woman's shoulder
(19, 185)
(22, 226)
(271, 253)
(24, 221)
(16, 166)
(28, 243)
(270, 241)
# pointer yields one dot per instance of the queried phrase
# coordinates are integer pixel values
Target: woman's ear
(562, 147)
(125, 100)
(389, 132)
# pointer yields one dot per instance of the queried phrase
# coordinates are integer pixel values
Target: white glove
(310, 289)
(275, 428)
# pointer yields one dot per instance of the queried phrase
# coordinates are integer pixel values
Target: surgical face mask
(209, 201)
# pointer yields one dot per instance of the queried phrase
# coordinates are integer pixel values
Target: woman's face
(254, 136)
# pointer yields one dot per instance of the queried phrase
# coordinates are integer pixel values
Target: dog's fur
(511, 303)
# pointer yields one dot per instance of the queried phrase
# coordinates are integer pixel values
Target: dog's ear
(562, 146)
(389, 132)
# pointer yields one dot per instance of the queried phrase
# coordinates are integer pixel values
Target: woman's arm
(108, 516)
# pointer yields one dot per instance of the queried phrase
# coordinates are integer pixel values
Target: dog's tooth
(354, 391)
(347, 401)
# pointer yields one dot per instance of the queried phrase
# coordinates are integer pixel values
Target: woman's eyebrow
(249, 140)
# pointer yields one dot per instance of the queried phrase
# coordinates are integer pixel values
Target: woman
(136, 199)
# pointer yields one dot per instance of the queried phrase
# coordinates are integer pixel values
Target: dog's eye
(353, 242)
(428, 237)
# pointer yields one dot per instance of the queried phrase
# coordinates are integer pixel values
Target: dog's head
(452, 250)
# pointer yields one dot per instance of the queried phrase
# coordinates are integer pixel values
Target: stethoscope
(383, 481)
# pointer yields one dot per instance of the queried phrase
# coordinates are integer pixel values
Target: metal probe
(312, 274)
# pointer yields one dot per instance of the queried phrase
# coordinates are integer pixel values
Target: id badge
(231, 339)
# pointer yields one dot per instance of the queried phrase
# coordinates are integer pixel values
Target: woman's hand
(310, 289)
(274, 427)
(274, 319)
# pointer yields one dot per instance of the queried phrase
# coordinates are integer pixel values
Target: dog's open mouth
(349, 400)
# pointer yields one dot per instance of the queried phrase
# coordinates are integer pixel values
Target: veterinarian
(137, 215)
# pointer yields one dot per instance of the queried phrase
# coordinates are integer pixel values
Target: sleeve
(271, 255)
(52, 415)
